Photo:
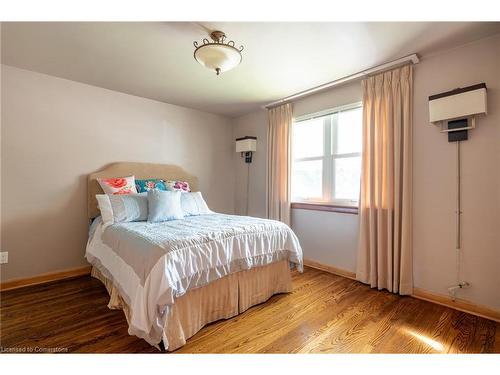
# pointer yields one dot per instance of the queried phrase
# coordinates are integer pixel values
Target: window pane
(349, 131)
(308, 138)
(307, 179)
(347, 178)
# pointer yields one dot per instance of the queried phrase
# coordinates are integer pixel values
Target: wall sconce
(246, 146)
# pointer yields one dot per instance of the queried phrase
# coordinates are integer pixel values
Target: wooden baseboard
(458, 304)
(44, 278)
(330, 269)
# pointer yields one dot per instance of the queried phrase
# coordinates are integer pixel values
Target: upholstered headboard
(140, 171)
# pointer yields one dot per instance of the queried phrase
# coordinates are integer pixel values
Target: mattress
(152, 264)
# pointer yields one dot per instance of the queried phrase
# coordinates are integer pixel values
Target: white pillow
(193, 204)
(106, 210)
(122, 208)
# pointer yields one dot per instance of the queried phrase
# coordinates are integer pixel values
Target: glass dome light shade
(218, 57)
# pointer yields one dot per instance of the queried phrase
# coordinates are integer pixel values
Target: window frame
(329, 157)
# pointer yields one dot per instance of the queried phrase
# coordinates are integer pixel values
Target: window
(326, 157)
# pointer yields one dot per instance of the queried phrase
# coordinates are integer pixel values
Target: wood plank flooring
(324, 314)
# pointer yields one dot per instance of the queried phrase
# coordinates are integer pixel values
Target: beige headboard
(140, 171)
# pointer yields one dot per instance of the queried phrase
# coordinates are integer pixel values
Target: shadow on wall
(46, 240)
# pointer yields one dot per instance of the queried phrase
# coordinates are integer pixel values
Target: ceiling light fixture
(218, 55)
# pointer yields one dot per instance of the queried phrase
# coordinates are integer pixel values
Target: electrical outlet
(4, 257)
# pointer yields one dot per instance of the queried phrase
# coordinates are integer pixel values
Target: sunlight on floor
(432, 343)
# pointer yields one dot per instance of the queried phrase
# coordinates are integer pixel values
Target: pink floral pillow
(182, 186)
(120, 185)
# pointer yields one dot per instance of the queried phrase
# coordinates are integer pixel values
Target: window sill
(328, 207)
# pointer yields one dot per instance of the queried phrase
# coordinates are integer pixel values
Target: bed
(172, 278)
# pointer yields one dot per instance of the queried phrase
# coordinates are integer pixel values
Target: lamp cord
(458, 246)
(248, 188)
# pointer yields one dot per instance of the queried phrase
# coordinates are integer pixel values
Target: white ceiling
(155, 60)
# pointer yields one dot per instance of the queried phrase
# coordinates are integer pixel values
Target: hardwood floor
(324, 314)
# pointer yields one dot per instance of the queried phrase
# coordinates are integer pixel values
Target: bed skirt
(221, 299)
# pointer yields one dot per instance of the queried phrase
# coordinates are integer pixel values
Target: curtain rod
(413, 58)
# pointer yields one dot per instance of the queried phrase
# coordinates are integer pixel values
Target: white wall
(254, 124)
(434, 161)
(55, 132)
(331, 238)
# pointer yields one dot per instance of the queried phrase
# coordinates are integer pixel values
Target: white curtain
(385, 254)
(278, 163)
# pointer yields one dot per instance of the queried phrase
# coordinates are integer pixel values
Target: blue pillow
(164, 205)
(152, 183)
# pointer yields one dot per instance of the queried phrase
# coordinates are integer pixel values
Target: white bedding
(152, 264)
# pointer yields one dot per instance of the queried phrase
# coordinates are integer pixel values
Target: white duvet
(151, 264)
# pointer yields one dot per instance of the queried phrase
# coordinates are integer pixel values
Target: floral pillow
(153, 183)
(120, 185)
(182, 186)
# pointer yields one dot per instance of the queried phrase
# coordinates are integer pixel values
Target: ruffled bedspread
(153, 263)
